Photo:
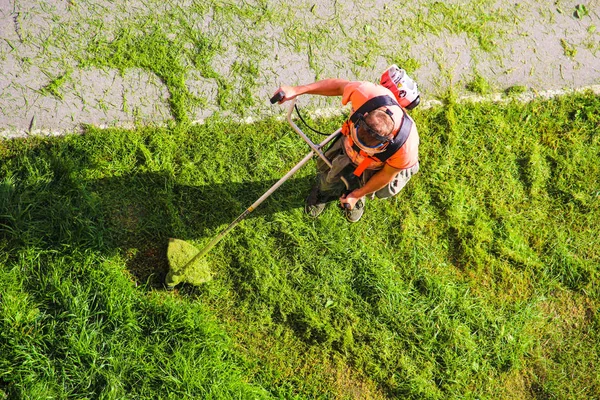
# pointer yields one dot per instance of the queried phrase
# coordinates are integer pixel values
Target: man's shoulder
(369, 87)
(358, 92)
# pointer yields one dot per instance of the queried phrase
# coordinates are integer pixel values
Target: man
(378, 152)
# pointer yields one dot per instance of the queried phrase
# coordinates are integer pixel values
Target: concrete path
(50, 82)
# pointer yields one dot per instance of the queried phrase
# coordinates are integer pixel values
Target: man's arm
(326, 87)
(377, 181)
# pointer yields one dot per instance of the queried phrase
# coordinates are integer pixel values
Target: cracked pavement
(44, 89)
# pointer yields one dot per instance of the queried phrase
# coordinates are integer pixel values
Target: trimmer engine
(404, 88)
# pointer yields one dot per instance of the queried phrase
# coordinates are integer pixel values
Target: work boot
(314, 205)
(357, 212)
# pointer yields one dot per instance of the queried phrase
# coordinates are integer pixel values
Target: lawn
(480, 280)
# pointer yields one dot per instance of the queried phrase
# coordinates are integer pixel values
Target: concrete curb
(326, 112)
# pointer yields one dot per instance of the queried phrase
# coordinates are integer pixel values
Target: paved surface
(45, 89)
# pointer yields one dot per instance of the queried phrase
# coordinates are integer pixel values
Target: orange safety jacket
(392, 147)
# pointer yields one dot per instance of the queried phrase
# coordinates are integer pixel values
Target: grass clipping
(179, 254)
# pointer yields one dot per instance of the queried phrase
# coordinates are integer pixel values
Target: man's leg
(398, 183)
(329, 185)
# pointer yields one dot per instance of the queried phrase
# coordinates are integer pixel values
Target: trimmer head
(179, 254)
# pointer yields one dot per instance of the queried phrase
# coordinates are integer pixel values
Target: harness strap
(373, 104)
(363, 165)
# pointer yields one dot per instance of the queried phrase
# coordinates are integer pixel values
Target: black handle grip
(278, 97)
(346, 206)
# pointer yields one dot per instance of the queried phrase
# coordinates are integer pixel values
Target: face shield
(367, 139)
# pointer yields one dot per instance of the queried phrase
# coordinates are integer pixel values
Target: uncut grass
(479, 280)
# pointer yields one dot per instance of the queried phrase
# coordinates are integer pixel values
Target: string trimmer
(186, 263)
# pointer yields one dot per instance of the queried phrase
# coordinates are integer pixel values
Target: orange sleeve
(408, 154)
(348, 92)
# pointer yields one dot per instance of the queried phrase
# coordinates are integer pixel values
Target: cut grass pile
(480, 280)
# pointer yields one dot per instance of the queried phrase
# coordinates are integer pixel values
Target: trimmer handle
(278, 97)
(346, 206)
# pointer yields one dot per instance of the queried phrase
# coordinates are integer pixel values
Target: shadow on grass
(133, 215)
(156, 209)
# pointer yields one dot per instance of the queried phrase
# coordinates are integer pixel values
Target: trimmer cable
(307, 125)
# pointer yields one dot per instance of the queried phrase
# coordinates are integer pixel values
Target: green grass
(569, 50)
(54, 87)
(480, 280)
(479, 85)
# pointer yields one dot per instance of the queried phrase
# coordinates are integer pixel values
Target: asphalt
(548, 47)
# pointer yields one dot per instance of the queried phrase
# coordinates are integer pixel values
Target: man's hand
(289, 93)
(378, 181)
(350, 199)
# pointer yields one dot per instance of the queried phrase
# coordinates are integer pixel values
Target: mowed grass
(480, 280)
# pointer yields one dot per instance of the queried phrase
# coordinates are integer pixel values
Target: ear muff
(346, 128)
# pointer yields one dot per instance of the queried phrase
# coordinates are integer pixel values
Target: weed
(515, 90)
(479, 85)
(55, 85)
(580, 11)
(569, 50)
